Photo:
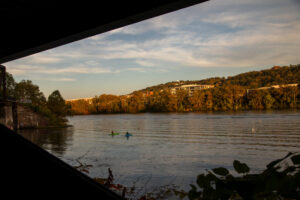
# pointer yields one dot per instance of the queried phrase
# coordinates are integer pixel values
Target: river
(171, 148)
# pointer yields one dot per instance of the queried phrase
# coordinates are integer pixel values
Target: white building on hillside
(191, 88)
(89, 100)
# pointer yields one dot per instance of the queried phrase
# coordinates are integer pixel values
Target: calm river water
(171, 148)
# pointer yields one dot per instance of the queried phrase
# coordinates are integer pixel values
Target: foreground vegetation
(29, 95)
(229, 94)
(279, 181)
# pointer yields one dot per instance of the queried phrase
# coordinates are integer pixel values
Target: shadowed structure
(28, 27)
(32, 26)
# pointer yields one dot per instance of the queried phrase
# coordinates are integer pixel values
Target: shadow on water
(56, 141)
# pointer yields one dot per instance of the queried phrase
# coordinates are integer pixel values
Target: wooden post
(3, 73)
(14, 107)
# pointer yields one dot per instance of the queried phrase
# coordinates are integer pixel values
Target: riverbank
(47, 127)
(197, 112)
(26, 118)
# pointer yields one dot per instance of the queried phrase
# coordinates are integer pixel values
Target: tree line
(229, 98)
(29, 95)
(229, 94)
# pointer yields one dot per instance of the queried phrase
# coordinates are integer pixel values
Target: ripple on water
(166, 148)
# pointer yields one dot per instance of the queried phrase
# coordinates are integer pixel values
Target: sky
(215, 38)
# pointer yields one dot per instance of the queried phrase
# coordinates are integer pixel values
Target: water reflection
(56, 141)
(171, 148)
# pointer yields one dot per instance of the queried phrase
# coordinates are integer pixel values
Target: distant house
(274, 87)
(89, 100)
(191, 88)
(284, 85)
(148, 93)
(275, 67)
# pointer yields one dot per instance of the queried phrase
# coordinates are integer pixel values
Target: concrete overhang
(32, 26)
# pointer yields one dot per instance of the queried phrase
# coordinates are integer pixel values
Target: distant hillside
(275, 76)
(275, 88)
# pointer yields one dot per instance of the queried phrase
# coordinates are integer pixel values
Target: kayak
(128, 134)
(114, 134)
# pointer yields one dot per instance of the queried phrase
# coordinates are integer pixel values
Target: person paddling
(127, 135)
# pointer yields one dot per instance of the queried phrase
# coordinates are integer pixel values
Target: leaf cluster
(278, 181)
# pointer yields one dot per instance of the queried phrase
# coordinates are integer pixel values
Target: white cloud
(76, 70)
(41, 59)
(136, 69)
(60, 79)
(144, 63)
(214, 34)
(25, 69)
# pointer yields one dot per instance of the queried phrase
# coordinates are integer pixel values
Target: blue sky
(216, 38)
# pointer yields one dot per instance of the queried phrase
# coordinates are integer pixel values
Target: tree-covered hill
(250, 80)
(228, 94)
(274, 76)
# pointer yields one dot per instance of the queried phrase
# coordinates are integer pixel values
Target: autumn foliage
(229, 94)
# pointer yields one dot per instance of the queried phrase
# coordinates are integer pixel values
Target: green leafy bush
(281, 180)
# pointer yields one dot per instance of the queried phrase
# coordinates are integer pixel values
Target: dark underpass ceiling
(29, 27)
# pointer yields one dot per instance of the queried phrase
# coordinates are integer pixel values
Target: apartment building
(191, 88)
(274, 87)
(89, 100)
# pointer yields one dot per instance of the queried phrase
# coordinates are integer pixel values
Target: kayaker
(127, 135)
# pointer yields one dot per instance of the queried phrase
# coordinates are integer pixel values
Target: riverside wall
(25, 118)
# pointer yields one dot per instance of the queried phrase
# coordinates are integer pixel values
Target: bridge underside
(32, 26)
